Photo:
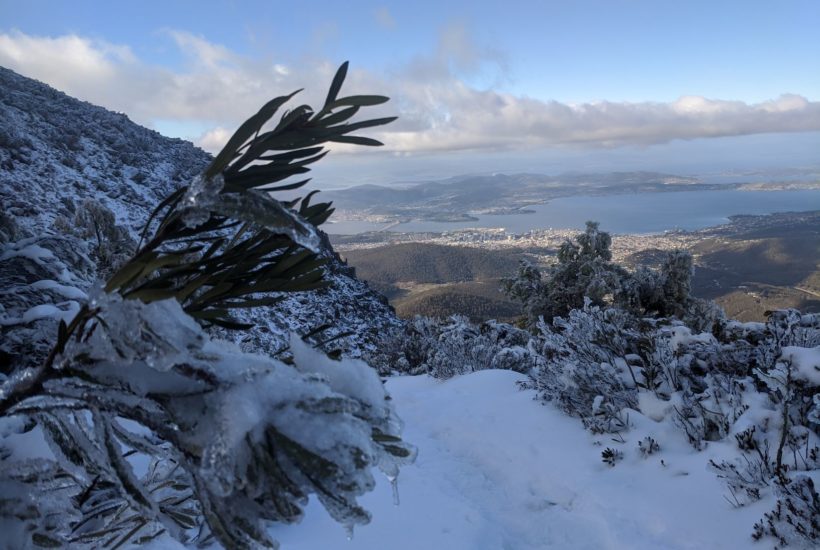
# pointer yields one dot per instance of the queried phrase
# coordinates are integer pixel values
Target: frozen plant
(584, 368)
(456, 346)
(584, 271)
(611, 456)
(648, 446)
(156, 428)
(111, 245)
(795, 519)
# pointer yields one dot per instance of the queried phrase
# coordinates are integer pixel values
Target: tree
(584, 270)
(226, 440)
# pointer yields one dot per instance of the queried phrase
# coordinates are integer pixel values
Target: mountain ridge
(58, 151)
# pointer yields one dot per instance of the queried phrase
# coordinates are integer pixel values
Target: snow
(44, 311)
(32, 251)
(67, 291)
(806, 361)
(497, 470)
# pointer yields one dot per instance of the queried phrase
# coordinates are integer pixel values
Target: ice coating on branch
(261, 209)
(263, 434)
(158, 335)
(204, 196)
(198, 199)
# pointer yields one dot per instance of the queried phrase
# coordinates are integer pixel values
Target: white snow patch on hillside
(498, 470)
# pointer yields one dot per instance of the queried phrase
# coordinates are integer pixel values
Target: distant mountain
(56, 152)
(455, 198)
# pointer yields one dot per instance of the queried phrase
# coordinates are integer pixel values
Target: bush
(584, 271)
(231, 439)
(111, 244)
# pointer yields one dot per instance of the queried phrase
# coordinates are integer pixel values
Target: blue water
(634, 213)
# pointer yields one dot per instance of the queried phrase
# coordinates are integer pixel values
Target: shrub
(231, 439)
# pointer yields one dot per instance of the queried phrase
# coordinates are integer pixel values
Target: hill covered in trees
(431, 263)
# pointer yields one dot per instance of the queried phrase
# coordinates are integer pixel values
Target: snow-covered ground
(498, 470)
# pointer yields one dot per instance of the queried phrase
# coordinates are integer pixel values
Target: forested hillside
(431, 263)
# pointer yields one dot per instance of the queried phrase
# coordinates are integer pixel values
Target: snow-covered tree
(583, 270)
(153, 427)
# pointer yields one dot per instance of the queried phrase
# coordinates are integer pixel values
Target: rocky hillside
(62, 159)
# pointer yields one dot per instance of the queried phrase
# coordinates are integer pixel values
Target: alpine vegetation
(641, 362)
(186, 362)
(153, 426)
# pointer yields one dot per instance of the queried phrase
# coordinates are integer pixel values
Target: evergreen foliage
(584, 271)
(155, 427)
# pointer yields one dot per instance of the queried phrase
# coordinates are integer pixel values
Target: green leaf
(129, 271)
(368, 124)
(44, 541)
(244, 132)
(341, 116)
(358, 140)
(336, 85)
(358, 101)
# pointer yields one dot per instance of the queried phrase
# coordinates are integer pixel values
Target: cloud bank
(440, 106)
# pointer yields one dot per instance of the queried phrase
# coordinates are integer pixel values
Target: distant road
(807, 291)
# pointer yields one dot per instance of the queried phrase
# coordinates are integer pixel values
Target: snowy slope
(56, 151)
(497, 470)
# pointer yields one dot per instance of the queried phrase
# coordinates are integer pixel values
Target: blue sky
(495, 85)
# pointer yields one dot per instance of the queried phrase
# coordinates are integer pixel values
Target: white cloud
(213, 140)
(439, 108)
(385, 19)
(202, 52)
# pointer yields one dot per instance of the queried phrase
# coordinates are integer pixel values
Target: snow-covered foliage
(94, 223)
(585, 368)
(455, 346)
(58, 153)
(142, 423)
(236, 438)
(796, 516)
(584, 271)
(755, 384)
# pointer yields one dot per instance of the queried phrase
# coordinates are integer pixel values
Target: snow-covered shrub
(9, 229)
(586, 369)
(92, 221)
(456, 346)
(153, 427)
(610, 456)
(788, 367)
(406, 348)
(795, 519)
(584, 271)
(251, 437)
(747, 475)
(648, 446)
